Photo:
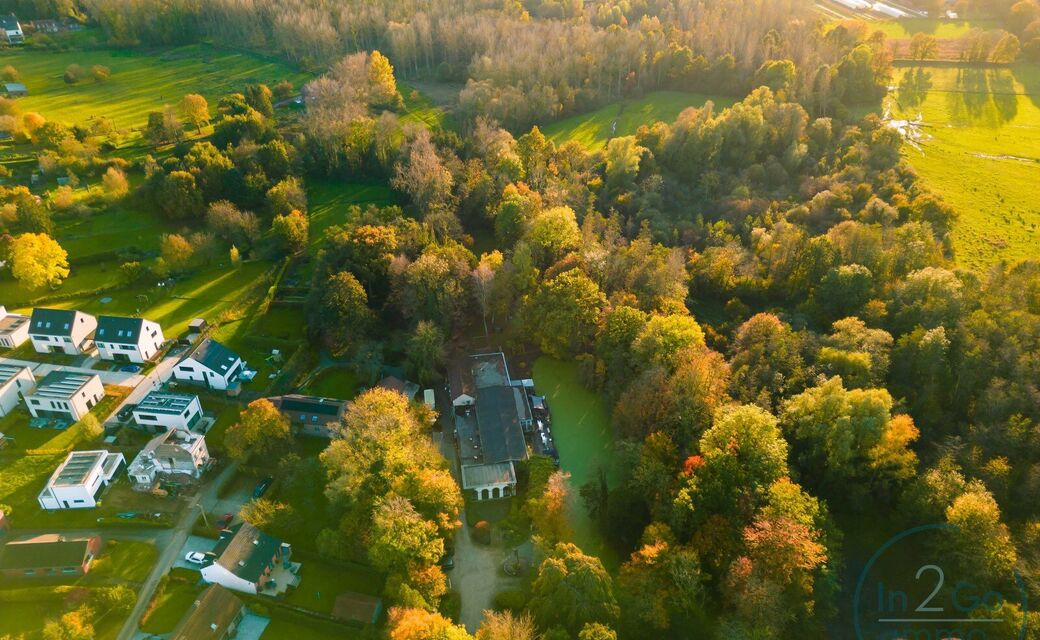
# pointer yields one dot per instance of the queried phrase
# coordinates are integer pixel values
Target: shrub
(510, 600)
(482, 532)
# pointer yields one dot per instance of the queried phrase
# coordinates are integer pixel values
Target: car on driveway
(447, 563)
(130, 368)
(195, 557)
(126, 412)
(262, 487)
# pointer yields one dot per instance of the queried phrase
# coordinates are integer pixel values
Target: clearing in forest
(980, 149)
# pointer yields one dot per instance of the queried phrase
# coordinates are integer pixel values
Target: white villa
(64, 394)
(62, 331)
(160, 411)
(127, 339)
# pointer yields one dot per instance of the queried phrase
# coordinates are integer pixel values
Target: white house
(62, 331)
(248, 560)
(14, 329)
(181, 456)
(127, 339)
(11, 29)
(64, 394)
(78, 482)
(160, 411)
(14, 382)
(210, 364)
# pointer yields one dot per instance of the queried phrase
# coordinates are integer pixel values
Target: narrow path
(168, 554)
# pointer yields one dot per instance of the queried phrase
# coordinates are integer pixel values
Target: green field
(593, 129)
(329, 200)
(584, 440)
(335, 382)
(981, 154)
(942, 29)
(139, 82)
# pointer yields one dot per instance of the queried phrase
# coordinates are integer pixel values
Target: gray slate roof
(52, 322)
(213, 355)
(118, 329)
(247, 551)
(501, 435)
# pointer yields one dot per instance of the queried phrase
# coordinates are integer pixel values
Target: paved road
(168, 552)
(150, 382)
(41, 369)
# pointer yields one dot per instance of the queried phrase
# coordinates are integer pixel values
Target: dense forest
(765, 294)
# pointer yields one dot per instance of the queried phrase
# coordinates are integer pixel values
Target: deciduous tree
(37, 260)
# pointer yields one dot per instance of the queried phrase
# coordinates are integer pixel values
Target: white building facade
(159, 411)
(79, 481)
(210, 365)
(128, 339)
(15, 381)
(66, 395)
(62, 331)
(14, 329)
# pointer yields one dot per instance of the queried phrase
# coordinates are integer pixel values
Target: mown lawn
(593, 129)
(321, 583)
(329, 200)
(941, 29)
(335, 382)
(584, 440)
(171, 605)
(139, 82)
(420, 108)
(127, 560)
(982, 155)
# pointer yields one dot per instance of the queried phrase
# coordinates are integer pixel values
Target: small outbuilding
(15, 90)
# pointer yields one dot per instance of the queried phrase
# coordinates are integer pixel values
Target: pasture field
(593, 129)
(139, 83)
(584, 440)
(941, 29)
(981, 153)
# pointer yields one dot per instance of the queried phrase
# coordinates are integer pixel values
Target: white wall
(146, 347)
(217, 574)
(76, 406)
(9, 394)
(167, 421)
(200, 375)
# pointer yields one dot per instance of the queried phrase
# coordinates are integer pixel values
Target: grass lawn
(983, 155)
(28, 618)
(226, 411)
(81, 280)
(283, 628)
(123, 560)
(420, 108)
(321, 583)
(139, 83)
(116, 227)
(581, 428)
(941, 29)
(328, 201)
(593, 129)
(170, 606)
(335, 382)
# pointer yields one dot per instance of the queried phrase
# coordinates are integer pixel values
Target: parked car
(130, 368)
(195, 557)
(447, 563)
(262, 487)
(126, 412)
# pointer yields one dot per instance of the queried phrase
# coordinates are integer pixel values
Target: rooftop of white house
(80, 464)
(172, 404)
(61, 384)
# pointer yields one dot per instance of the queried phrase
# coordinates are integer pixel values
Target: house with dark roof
(11, 29)
(78, 482)
(492, 415)
(14, 328)
(215, 615)
(160, 411)
(15, 381)
(211, 365)
(62, 331)
(312, 415)
(66, 395)
(127, 339)
(48, 555)
(248, 560)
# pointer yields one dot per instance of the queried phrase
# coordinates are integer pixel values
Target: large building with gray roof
(211, 365)
(62, 331)
(127, 339)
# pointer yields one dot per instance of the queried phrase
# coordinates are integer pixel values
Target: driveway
(121, 378)
(240, 493)
(251, 627)
(150, 382)
(193, 543)
(477, 576)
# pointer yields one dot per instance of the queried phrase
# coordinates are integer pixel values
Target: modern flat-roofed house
(215, 615)
(65, 394)
(248, 560)
(160, 411)
(62, 331)
(490, 422)
(14, 328)
(210, 364)
(127, 339)
(11, 29)
(178, 456)
(312, 415)
(79, 480)
(15, 381)
(48, 555)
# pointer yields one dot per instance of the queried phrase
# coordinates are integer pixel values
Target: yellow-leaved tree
(37, 260)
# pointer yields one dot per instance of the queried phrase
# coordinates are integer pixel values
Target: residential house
(14, 382)
(11, 29)
(62, 331)
(127, 339)
(312, 415)
(14, 329)
(65, 395)
(210, 364)
(393, 383)
(490, 424)
(78, 482)
(248, 560)
(48, 555)
(159, 411)
(214, 616)
(175, 455)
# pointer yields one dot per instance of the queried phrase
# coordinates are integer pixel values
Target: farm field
(981, 152)
(593, 129)
(139, 82)
(584, 440)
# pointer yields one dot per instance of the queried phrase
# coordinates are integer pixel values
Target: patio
(281, 579)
